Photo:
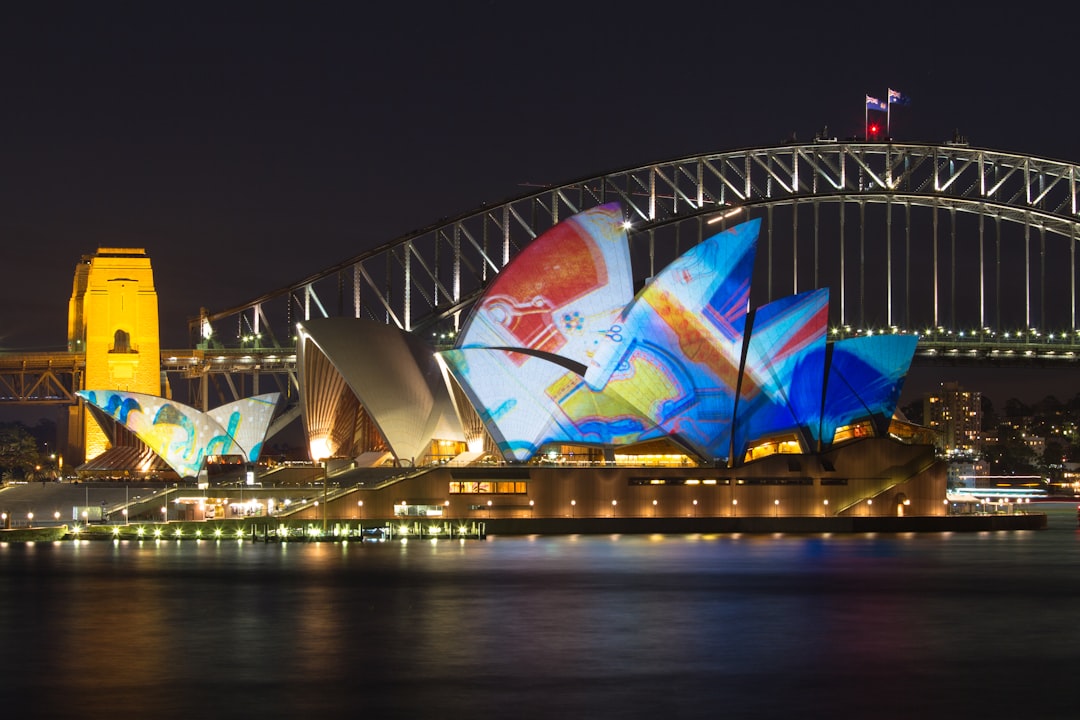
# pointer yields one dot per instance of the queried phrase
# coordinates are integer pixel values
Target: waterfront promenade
(59, 504)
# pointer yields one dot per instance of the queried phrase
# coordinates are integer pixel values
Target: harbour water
(734, 626)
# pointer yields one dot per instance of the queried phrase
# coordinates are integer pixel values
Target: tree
(913, 411)
(1051, 460)
(990, 419)
(1049, 405)
(18, 450)
(1016, 409)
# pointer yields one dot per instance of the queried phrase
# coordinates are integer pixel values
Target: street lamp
(164, 513)
(29, 519)
(776, 507)
(360, 508)
(735, 508)
(654, 508)
(695, 508)
(124, 512)
(325, 490)
(573, 504)
(826, 503)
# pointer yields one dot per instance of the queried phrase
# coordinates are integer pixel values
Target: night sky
(246, 145)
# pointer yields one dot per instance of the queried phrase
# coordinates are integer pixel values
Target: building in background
(956, 415)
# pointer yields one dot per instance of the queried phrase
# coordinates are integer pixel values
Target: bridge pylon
(113, 320)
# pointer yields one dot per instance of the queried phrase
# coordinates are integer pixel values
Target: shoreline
(767, 525)
(269, 529)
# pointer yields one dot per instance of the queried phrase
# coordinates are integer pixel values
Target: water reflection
(633, 626)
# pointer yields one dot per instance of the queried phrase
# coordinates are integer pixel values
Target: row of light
(1020, 334)
(217, 533)
(56, 516)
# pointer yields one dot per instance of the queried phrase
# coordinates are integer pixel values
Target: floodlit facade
(185, 437)
(113, 320)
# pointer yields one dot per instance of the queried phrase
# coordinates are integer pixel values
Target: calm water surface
(874, 626)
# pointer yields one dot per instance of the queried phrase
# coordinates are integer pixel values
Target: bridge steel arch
(974, 249)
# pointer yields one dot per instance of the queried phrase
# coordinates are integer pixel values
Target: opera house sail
(557, 352)
(522, 354)
(374, 392)
(185, 437)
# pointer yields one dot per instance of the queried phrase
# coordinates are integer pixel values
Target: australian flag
(897, 98)
(872, 103)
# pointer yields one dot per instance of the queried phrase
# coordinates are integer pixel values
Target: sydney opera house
(566, 393)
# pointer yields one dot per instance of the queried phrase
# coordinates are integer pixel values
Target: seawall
(765, 525)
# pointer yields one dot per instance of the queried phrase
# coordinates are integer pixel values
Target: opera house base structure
(871, 485)
(875, 477)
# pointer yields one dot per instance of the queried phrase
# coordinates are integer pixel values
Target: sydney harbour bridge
(972, 249)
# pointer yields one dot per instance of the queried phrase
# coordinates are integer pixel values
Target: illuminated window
(501, 487)
(773, 446)
(854, 431)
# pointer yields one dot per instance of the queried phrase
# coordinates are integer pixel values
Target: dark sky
(246, 145)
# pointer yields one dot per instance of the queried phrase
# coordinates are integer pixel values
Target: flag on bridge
(872, 103)
(895, 98)
(873, 129)
(898, 98)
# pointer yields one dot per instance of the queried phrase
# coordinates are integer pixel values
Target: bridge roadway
(51, 378)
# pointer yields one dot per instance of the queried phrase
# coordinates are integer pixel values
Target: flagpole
(865, 120)
(888, 113)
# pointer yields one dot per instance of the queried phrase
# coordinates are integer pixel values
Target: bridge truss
(973, 249)
(46, 378)
(934, 239)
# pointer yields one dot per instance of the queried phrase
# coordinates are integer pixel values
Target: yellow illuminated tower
(113, 319)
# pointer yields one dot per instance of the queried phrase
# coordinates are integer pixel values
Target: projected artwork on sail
(691, 316)
(560, 291)
(181, 435)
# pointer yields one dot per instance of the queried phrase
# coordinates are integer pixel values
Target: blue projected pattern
(866, 375)
(781, 387)
(567, 357)
(182, 436)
